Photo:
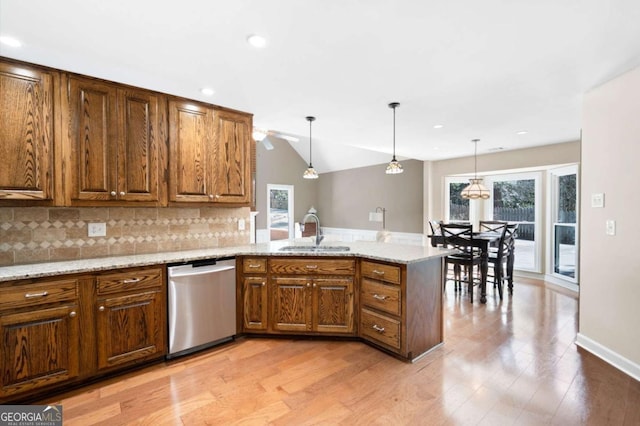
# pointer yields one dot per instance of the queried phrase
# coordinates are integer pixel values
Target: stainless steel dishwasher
(202, 305)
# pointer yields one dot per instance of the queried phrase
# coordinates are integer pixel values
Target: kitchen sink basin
(315, 249)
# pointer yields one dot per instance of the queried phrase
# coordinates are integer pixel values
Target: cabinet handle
(375, 271)
(211, 196)
(32, 295)
(217, 195)
(131, 281)
(378, 328)
(377, 296)
(122, 193)
(113, 193)
(254, 266)
(263, 284)
(72, 314)
(312, 266)
(101, 308)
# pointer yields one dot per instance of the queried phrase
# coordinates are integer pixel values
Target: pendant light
(394, 167)
(310, 173)
(475, 189)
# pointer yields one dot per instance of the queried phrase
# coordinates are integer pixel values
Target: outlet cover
(241, 224)
(597, 200)
(611, 227)
(97, 229)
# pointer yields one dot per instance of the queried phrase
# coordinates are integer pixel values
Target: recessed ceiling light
(207, 91)
(257, 41)
(522, 132)
(10, 41)
(438, 126)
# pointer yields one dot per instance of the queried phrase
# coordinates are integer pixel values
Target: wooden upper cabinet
(115, 139)
(209, 154)
(190, 152)
(26, 133)
(233, 157)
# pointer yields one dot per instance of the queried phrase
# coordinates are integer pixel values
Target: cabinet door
(190, 152)
(39, 348)
(333, 305)
(255, 303)
(291, 304)
(26, 133)
(129, 328)
(233, 157)
(138, 145)
(93, 134)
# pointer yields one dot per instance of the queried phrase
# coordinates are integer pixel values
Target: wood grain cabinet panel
(115, 140)
(39, 328)
(291, 307)
(26, 133)
(255, 303)
(233, 157)
(333, 305)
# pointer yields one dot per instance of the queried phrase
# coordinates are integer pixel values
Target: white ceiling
(483, 69)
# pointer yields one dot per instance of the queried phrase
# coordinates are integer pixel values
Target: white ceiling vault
(481, 69)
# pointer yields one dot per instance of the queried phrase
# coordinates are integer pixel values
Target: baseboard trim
(618, 361)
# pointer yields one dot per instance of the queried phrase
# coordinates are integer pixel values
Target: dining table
(481, 240)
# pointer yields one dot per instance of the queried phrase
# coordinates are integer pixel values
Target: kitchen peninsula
(388, 295)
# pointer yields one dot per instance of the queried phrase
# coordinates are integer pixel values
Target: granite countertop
(390, 252)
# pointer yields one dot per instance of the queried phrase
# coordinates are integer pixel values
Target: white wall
(610, 265)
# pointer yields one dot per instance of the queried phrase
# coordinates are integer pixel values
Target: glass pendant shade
(394, 167)
(475, 190)
(310, 173)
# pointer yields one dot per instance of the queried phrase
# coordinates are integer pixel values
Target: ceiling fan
(262, 135)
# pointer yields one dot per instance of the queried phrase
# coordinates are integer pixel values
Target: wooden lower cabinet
(40, 348)
(65, 330)
(254, 297)
(297, 295)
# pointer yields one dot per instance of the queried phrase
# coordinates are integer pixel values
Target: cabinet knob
(262, 284)
(211, 196)
(122, 193)
(101, 308)
(314, 285)
(217, 195)
(72, 314)
(113, 193)
(308, 285)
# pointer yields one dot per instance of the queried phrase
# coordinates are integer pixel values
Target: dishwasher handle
(203, 270)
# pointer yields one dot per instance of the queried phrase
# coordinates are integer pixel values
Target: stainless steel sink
(315, 249)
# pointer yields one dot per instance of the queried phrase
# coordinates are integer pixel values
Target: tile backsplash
(42, 234)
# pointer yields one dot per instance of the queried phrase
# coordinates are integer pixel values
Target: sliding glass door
(516, 199)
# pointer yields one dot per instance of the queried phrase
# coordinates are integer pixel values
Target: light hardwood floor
(509, 362)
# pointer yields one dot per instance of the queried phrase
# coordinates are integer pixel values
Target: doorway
(280, 222)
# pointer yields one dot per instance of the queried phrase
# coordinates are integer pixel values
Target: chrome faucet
(319, 237)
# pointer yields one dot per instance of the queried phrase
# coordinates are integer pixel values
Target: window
(280, 207)
(457, 209)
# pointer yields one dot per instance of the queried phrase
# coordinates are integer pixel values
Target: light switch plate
(97, 229)
(597, 200)
(611, 227)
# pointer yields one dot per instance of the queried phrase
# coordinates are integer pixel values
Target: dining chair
(500, 257)
(434, 226)
(491, 225)
(467, 257)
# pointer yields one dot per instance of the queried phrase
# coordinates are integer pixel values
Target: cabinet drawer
(380, 328)
(34, 294)
(380, 271)
(124, 281)
(313, 266)
(254, 265)
(381, 296)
